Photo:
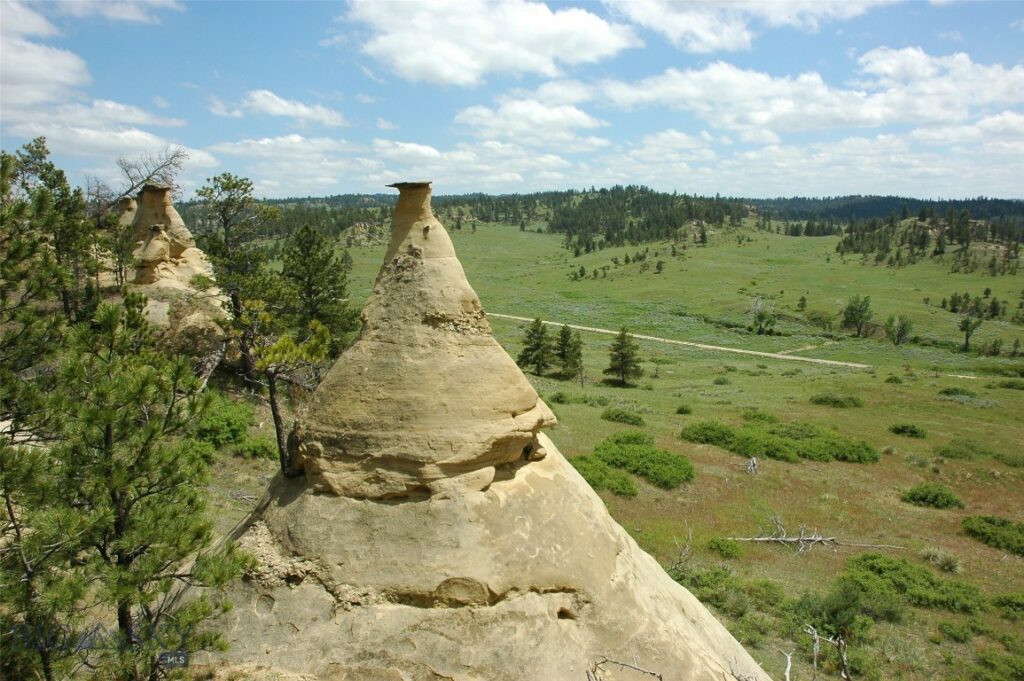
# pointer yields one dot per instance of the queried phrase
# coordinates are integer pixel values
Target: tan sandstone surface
(436, 533)
(167, 260)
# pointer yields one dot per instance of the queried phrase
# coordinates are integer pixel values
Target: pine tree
(320, 281)
(569, 351)
(229, 233)
(624, 358)
(137, 485)
(537, 352)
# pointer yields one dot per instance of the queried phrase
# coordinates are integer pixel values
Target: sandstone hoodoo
(166, 253)
(167, 262)
(433, 531)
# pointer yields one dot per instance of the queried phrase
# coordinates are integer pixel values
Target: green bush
(256, 448)
(225, 421)
(600, 475)
(709, 433)
(684, 409)
(897, 579)
(721, 380)
(962, 448)
(1012, 459)
(957, 392)
(726, 548)
(659, 467)
(907, 430)
(831, 399)
(1011, 606)
(203, 449)
(1012, 384)
(630, 437)
(755, 415)
(617, 415)
(932, 494)
(818, 444)
(1000, 533)
(566, 398)
(895, 380)
(956, 631)
(750, 442)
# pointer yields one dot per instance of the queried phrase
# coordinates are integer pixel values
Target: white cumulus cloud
(268, 103)
(460, 42)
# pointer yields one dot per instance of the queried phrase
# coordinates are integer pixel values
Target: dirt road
(702, 346)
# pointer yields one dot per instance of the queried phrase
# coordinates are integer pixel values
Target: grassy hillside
(766, 594)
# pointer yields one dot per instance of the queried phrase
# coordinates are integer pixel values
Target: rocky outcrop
(167, 262)
(436, 533)
(166, 253)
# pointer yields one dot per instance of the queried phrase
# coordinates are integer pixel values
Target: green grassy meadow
(700, 293)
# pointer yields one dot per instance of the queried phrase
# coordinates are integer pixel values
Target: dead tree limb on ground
(789, 663)
(804, 540)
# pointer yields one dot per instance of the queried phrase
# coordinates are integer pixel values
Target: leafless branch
(161, 168)
(738, 675)
(685, 551)
(789, 663)
(805, 539)
(595, 670)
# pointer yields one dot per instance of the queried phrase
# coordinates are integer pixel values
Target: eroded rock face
(436, 533)
(166, 253)
(167, 260)
(412, 408)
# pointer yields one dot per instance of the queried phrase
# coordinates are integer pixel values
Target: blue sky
(794, 97)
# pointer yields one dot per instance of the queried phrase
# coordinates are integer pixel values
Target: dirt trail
(702, 346)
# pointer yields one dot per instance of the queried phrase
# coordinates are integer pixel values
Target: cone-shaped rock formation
(436, 533)
(426, 399)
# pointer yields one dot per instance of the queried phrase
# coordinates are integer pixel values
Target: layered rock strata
(436, 533)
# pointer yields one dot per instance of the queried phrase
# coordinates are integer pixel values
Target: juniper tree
(624, 358)
(537, 352)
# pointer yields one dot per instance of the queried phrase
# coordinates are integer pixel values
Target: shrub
(637, 455)
(709, 433)
(962, 448)
(750, 442)
(968, 401)
(755, 415)
(600, 475)
(955, 392)
(721, 380)
(225, 421)
(895, 380)
(897, 579)
(1012, 459)
(1000, 533)
(943, 560)
(1011, 606)
(907, 430)
(566, 398)
(956, 631)
(617, 415)
(1012, 384)
(831, 399)
(932, 494)
(684, 409)
(726, 548)
(203, 449)
(256, 448)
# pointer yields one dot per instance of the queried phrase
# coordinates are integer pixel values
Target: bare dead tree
(789, 663)
(840, 645)
(685, 552)
(805, 539)
(752, 465)
(153, 168)
(594, 673)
